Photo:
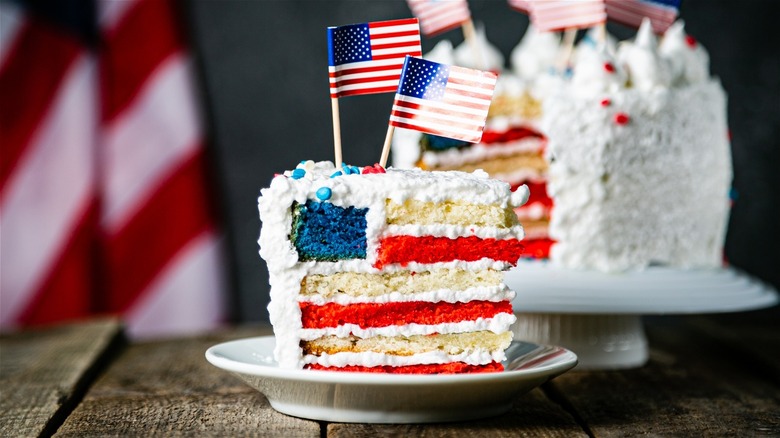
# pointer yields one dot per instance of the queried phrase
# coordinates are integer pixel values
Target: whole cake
(640, 164)
(389, 270)
(628, 158)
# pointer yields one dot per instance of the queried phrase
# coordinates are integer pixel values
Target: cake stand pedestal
(598, 316)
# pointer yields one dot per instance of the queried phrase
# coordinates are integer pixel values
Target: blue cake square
(326, 232)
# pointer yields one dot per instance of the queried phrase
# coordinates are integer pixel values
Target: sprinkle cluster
(305, 170)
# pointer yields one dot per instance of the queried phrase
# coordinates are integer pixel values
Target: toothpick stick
(386, 147)
(601, 33)
(567, 47)
(470, 35)
(334, 106)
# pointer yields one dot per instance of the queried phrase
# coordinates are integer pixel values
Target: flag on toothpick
(438, 16)
(105, 201)
(443, 100)
(367, 58)
(662, 13)
(554, 15)
(520, 5)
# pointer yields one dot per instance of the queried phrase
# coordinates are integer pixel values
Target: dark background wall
(264, 70)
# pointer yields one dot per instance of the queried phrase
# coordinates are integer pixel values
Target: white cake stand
(598, 315)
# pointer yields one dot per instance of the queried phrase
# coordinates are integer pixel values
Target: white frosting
(443, 53)
(480, 293)
(532, 211)
(689, 63)
(483, 56)
(498, 324)
(641, 59)
(596, 73)
(654, 190)
(536, 53)
(478, 356)
(364, 191)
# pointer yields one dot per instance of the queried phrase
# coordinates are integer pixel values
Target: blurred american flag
(105, 205)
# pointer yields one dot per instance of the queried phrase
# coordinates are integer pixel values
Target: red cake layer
(490, 137)
(429, 249)
(368, 315)
(444, 368)
(538, 248)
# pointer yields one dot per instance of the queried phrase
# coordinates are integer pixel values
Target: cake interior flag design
(438, 16)
(448, 101)
(554, 15)
(367, 58)
(661, 13)
(105, 205)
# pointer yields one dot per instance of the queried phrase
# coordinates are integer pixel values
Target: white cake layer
(371, 359)
(500, 323)
(479, 293)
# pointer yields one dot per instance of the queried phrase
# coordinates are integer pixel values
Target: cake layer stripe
(428, 249)
(453, 213)
(398, 313)
(451, 343)
(479, 356)
(497, 324)
(445, 368)
(451, 295)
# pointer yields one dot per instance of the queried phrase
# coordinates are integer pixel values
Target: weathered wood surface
(707, 376)
(692, 386)
(167, 388)
(43, 373)
(533, 415)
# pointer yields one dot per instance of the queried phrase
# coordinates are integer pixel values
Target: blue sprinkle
(298, 173)
(303, 162)
(324, 193)
(733, 194)
(336, 173)
(347, 169)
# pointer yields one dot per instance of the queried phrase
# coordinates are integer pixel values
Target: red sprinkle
(376, 168)
(621, 118)
(606, 102)
(609, 67)
(690, 41)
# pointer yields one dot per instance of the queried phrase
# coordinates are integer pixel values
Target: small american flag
(551, 15)
(438, 16)
(443, 100)
(661, 13)
(520, 5)
(367, 58)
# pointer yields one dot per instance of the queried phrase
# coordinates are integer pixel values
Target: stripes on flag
(367, 58)
(520, 5)
(447, 101)
(555, 15)
(662, 13)
(439, 16)
(104, 202)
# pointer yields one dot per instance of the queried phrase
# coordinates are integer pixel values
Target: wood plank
(533, 415)
(753, 335)
(691, 386)
(44, 373)
(168, 388)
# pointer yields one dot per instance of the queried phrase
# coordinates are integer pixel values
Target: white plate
(389, 398)
(544, 288)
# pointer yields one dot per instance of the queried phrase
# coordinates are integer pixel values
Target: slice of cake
(396, 271)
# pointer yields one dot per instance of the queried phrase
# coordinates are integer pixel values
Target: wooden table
(707, 376)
